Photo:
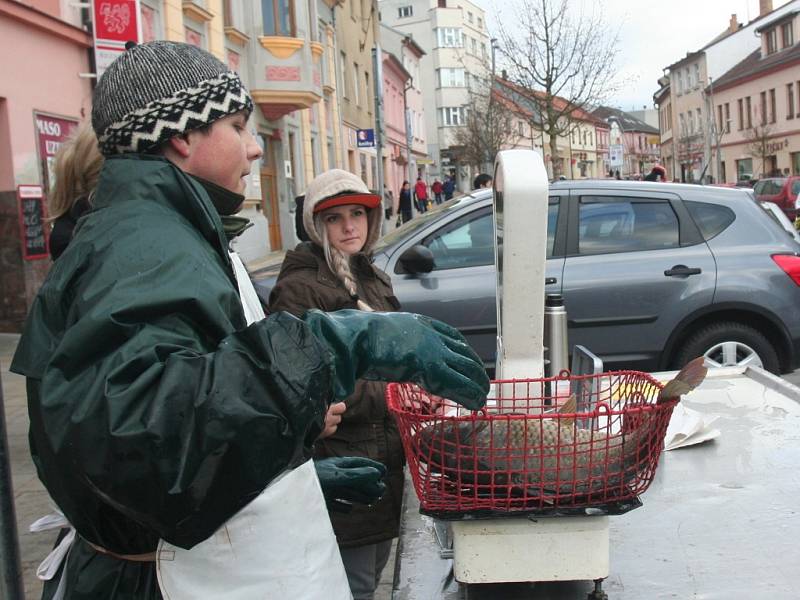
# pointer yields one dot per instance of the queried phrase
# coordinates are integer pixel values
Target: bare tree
(488, 128)
(759, 146)
(565, 56)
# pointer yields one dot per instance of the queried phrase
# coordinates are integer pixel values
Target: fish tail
(685, 381)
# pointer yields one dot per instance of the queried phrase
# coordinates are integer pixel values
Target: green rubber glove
(350, 479)
(400, 347)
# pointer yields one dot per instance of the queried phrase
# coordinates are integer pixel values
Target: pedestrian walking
(449, 187)
(405, 203)
(164, 407)
(421, 195)
(333, 272)
(437, 190)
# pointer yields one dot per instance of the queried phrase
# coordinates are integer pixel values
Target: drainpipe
(409, 85)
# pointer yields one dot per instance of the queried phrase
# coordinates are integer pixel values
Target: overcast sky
(655, 34)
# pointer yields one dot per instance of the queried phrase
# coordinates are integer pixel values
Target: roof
(626, 120)
(777, 20)
(754, 65)
(524, 100)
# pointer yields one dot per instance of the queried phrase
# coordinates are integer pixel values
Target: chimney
(734, 24)
(764, 7)
(503, 74)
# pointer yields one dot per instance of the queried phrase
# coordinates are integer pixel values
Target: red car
(780, 190)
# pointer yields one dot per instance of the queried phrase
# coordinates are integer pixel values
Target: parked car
(780, 190)
(652, 274)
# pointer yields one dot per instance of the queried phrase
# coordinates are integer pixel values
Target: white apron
(279, 546)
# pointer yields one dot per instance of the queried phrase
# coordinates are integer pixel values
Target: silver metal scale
(678, 544)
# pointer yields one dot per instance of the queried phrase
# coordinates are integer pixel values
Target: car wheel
(730, 344)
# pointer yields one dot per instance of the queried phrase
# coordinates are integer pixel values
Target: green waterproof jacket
(155, 411)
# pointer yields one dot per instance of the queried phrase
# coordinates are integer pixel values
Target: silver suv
(652, 274)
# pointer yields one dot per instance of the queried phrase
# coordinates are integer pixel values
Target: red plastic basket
(521, 455)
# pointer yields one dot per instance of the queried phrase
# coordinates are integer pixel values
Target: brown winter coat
(367, 428)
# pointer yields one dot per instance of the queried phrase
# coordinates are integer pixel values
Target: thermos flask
(555, 335)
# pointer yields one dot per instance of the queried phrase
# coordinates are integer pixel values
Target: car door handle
(550, 280)
(682, 271)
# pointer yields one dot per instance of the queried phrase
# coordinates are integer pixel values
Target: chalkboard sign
(31, 222)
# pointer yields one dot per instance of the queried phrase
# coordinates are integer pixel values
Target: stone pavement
(30, 497)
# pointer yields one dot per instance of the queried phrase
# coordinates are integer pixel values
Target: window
(483, 50)
(468, 242)
(469, 17)
(719, 118)
(680, 82)
(480, 23)
(343, 72)
(697, 73)
(405, 11)
(748, 112)
(787, 35)
(682, 124)
(452, 77)
(232, 14)
(689, 82)
(356, 84)
(741, 114)
(744, 169)
(790, 101)
(763, 108)
(772, 41)
(152, 23)
(711, 219)
(475, 46)
(621, 225)
(699, 121)
(367, 92)
(772, 105)
(521, 128)
(278, 17)
(690, 119)
(452, 116)
(727, 118)
(449, 37)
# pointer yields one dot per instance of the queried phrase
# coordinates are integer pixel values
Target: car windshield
(419, 222)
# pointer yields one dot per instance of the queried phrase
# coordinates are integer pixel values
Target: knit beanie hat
(333, 183)
(155, 91)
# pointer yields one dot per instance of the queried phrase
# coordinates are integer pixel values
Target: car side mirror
(417, 259)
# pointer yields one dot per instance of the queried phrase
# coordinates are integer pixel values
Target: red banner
(115, 22)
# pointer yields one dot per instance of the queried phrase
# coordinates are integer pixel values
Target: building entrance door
(269, 194)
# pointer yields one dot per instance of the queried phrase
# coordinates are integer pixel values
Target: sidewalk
(30, 497)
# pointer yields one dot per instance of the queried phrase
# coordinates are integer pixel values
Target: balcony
(287, 75)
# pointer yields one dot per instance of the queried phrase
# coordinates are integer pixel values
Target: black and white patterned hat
(161, 89)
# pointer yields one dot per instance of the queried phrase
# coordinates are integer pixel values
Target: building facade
(45, 91)
(757, 106)
(693, 140)
(454, 37)
(639, 142)
(415, 154)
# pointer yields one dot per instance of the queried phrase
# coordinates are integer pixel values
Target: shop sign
(114, 22)
(51, 132)
(365, 138)
(30, 200)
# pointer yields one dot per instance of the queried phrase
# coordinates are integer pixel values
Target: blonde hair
(76, 168)
(339, 264)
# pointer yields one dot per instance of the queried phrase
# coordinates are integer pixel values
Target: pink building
(404, 112)
(394, 83)
(43, 96)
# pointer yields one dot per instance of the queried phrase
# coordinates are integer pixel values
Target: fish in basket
(532, 451)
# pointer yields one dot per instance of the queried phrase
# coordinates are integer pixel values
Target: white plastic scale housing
(523, 549)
